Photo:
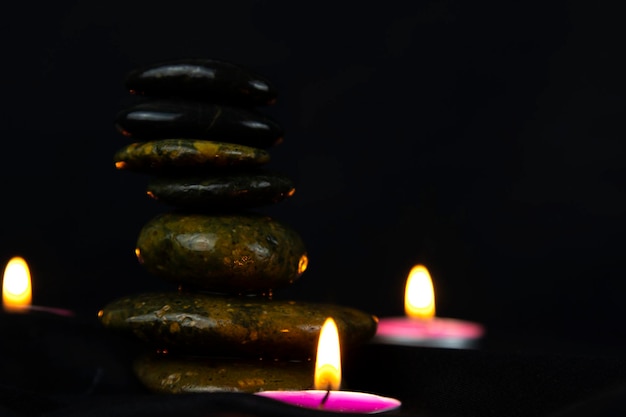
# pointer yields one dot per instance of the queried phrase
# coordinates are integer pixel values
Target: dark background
(483, 139)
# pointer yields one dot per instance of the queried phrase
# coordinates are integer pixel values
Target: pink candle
(420, 327)
(436, 332)
(328, 375)
(337, 401)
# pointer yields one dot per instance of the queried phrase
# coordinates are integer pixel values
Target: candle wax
(435, 332)
(337, 401)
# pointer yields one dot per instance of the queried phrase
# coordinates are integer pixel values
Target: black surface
(484, 139)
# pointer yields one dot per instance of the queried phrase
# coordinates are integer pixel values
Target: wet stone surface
(240, 190)
(214, 325)
(236, 253)
(202, 79)
(171, 374)
(187, 155)
(167, 119)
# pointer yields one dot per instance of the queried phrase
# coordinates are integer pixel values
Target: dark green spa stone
(171, 374)
(237, 190)
(237, 326)
(244, 253)
(166, 119)
(202, 79)
(187, 155)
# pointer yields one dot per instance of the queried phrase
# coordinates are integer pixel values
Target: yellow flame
(16, 286)
(328, 361)
(419, 296)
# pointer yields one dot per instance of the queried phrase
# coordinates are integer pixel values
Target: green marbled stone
(187, 154)
(245, 253)
(254, 327)
(237, 190)
(169, 374)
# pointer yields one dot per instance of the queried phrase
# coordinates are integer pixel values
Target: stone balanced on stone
(196, 132)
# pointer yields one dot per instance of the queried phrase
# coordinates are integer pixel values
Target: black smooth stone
(169, 119)
(202, 79)
(238, 190)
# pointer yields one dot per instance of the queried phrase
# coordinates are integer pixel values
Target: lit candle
(17, 290)
(327, 381)
(420, 326)
(45, 350)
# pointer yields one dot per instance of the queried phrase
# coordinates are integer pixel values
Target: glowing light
(328, 361)
(16, 286)
(419, 296)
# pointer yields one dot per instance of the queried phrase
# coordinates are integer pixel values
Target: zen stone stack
(197, 133)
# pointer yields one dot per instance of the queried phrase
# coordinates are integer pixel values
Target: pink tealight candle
(337, 401)
(327, 380)
(420, 327)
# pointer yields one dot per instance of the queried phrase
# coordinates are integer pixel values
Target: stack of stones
(196, 131)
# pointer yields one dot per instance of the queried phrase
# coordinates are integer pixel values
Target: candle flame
(328, 362)
(16, 286)
(419, 296)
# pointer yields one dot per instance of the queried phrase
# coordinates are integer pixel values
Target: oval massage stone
(234, 326)
(202, 79)
(238, 190)
(171, 374)
(166, 119)
(246, 253)
(191, 155)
